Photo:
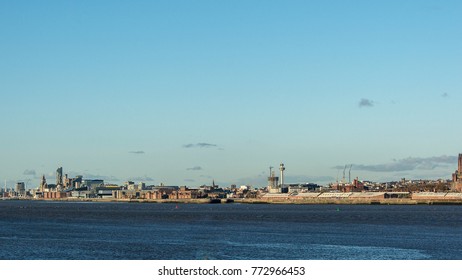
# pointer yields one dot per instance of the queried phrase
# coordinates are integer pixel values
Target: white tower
(282, 168)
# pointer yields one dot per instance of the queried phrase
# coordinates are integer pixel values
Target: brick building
(457, 176)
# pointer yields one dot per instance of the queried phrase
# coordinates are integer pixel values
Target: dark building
(59, 176)
(20, 188)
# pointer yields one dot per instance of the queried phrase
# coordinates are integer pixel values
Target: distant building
(457, 176)
(129, 185)
(244, 188)
(20, 188)
(43, 184)
(92, 184)
(273, 184)
(66, 181)
(106, 192)
(307, 187)
(184, 193)
(56, 195)
(76, 182)
(59, 176)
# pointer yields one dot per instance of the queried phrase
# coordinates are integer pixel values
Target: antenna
(343, 179)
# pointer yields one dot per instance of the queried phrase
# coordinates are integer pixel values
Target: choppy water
(70, 230)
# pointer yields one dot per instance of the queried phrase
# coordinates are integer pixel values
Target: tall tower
(282, 168)
(457, 176)
(43, 183)
(59, 176)
(459, 169)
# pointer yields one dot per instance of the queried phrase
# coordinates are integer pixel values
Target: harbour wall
(358, 201)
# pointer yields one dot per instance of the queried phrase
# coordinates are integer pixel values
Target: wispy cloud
(195, 168)
(189, 180)
(29, 172)
(364, 102)
(137, 152)
(200, 145)
(407, 164)
(141, 179)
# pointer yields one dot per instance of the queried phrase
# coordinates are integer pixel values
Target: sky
(186, 92)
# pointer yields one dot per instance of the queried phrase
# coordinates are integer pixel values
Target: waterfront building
(301, 188)
(43, 184)
(184, 193)
(273, 181)
(211, 188)
(81, 193)
(56, 195)
(457, 176)
(20, 189)
(155, 195)
(92, 184)
(76, 182)
(106, 192)
(59, 176)
(273, 184)
(130, 185)
(66, 181)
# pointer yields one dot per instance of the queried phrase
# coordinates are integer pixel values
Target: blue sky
(184, 92)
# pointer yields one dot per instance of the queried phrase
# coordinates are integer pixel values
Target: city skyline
(343, 175)
(184, 93)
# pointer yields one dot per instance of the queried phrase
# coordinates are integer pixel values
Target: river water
(158, 231)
